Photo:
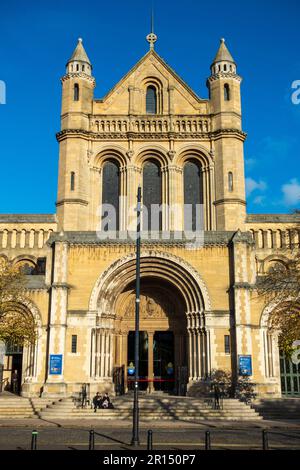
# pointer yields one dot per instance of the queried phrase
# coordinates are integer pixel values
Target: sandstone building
(199, 308)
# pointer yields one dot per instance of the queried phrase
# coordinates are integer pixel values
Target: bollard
(150, 440)
(265, 440)
(92, 440)
(34, 439)
(207, 440)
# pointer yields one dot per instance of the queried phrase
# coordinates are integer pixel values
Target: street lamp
(135, 428)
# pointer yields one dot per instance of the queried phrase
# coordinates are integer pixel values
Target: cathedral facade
(199, 310)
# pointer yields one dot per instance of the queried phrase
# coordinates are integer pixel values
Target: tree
(16, 326)
(280, 287)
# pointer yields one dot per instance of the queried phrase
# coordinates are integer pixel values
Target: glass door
(163, 352)
(143, 362)
(290, 377)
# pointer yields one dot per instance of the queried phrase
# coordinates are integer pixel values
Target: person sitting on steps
(97, 401)
(106, 403)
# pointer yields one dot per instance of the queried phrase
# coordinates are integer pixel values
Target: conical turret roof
(223, 53)
(79, 54)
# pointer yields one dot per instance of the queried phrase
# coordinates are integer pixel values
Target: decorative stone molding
(72, 201)
(219, 133)
(130, 154)
(79, 75)
(180, 267)
(228, 75)
(171, 154)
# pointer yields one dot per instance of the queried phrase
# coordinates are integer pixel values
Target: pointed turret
(79, 62)
(223, 62)
(225, 106)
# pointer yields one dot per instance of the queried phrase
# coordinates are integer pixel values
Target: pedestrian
(15, 382)
(83, 395)
(217, 397)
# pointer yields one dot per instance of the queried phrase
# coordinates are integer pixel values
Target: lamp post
(135, 428)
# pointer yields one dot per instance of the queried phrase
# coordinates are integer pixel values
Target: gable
(129, 95)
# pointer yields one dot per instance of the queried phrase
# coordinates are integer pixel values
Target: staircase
(153, 408)
(278, 408)
(13, 406)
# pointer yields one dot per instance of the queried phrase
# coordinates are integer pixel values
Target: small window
(151, 100)
(74, 344)
(226, 92)
(76, 92)
(227, 344)
(40, 266)
(230, 182)
(72, 181)
(225, 68)
(77, 67)
(83, 68)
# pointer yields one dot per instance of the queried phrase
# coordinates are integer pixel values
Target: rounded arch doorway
(163, 335)
(174, 301)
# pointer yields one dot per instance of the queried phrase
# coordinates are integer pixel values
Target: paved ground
(114, 435)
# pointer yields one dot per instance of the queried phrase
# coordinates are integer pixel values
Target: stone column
(96, 198)
(191, 354)
(243, 278)
(55, 384)
(134, 178)
(150, 361)
(175, 198)
(125, 358)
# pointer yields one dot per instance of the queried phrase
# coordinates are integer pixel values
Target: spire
(222, 58)
(152, 38)
(79, 61)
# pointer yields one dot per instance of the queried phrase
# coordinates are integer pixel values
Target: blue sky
(38, 37)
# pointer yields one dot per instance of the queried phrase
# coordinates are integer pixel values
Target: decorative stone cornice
(230, 200)
(229, 132)
(82, 75)
(82, 133)
(60, 285)
(225, 75)
(273, 218)
(210, 238)
(243, 285)
(83, 202)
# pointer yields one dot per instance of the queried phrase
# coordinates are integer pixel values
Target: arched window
(76, 92)
(152, 193)
(230, 181)
(193, 196)
(151, 100)
(226, 92)
(72, 182)
(110, 195)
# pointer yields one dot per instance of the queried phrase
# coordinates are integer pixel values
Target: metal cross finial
(152, 38)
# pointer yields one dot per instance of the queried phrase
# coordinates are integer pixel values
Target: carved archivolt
(156, 265)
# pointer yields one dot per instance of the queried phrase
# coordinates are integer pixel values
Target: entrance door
(290, 377)
(143, 360)
(13, 367)
(163, 352)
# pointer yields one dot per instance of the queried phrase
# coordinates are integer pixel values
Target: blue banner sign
(245, 365)
(55, 364)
